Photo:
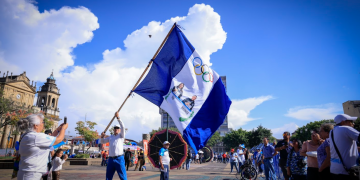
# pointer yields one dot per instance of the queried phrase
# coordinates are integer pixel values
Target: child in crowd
(57, 163)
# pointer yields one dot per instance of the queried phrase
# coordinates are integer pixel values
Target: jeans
(103, 162)
(232, 164)
(269, 169)
(188, 161)
(165, 175)
(117, 164)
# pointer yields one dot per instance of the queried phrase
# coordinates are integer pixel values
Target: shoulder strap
(337, 150)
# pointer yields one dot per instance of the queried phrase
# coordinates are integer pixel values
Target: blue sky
(303, 55)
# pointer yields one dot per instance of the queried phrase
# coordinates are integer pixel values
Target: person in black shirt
(127, 158)
(284, 146)
(141, 160)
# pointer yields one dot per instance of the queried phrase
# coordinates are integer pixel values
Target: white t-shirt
(345, 138)
(197, 156)
(116, 142)
(34, 150)
(241, 158)
(57, 163)
(164, 153)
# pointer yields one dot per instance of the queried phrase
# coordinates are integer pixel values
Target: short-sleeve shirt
(284, 152)
(321, 152)
(345, 138)
(233, 157)
(165, 156)
(34, 150)
(241, 157)
(268, 151)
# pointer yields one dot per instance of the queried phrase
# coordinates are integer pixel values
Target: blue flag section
(180, 83)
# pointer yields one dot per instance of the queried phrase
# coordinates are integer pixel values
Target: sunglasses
(116, 128)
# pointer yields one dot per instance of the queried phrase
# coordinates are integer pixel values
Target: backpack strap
(337, 150)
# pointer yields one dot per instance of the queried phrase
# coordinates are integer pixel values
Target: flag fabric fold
(180, 83)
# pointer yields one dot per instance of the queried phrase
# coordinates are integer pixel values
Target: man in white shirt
(116, 152)
(164, 161)
(345, 137)
(241, 154)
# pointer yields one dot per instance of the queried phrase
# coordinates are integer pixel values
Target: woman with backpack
(296, 165)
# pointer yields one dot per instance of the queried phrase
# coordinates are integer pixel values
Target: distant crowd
(331, 153)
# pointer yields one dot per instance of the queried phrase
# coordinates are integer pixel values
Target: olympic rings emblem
(207, 76)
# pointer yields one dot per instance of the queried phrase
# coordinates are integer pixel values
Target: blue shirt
(268, 151)
(233, 158)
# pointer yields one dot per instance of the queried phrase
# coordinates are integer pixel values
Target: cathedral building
(19, 89)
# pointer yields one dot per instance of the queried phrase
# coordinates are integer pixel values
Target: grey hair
(327, 127)
(27, 124)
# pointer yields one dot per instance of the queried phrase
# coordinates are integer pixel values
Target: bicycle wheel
(249, 173)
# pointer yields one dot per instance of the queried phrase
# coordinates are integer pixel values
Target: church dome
(51, 77)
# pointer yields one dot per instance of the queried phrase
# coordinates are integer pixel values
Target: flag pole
(138, 81)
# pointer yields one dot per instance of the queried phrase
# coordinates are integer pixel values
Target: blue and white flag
(180, 83)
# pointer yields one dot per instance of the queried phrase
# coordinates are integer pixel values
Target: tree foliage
(304, 133)
(10, 111)
(257, 135)
(357, 124)
(234, 138)
(87, 130)
(215, 138)
(248, 138)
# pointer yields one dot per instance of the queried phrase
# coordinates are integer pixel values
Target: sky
(287, 63)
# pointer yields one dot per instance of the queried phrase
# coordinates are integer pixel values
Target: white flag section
(187, 89)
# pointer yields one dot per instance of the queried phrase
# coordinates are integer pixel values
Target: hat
(166, 142)
(343, 117)
(242, 145)
(117, 126)
(232, 150)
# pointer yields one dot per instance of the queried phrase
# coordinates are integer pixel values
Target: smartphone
(65, 120)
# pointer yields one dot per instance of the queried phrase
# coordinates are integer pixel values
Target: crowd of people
(331, 153)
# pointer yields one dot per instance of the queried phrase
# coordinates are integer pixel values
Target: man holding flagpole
(116, 153)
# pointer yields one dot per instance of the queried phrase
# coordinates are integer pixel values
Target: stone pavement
(207, 171)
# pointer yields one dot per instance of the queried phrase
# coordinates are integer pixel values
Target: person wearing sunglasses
(343, 139)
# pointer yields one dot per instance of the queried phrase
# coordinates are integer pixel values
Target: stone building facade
(19, 89)
(352, 108)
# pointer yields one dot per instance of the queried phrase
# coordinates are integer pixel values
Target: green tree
(257, 135)
(304, 133)
(87, 131)
(215, 138)
(357, 124)
(234, 138)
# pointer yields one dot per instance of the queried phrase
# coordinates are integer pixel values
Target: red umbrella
(177, 149)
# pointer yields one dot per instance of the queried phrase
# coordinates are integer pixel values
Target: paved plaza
(207, 171)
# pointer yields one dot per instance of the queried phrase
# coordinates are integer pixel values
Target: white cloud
(240, 110)
(277, 132)
(38, 42)
(314, 113)
(98, 91)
